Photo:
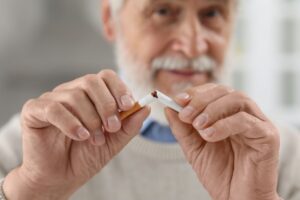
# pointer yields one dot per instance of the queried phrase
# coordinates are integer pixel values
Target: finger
(179, 128)
(226, 106)
(187, 137)
(200, 100)
(78, 103)
(237, 124)
(100, 95)
(52, 113)
(131, 126)
(118, 89)
(185, 97)
(104, 102)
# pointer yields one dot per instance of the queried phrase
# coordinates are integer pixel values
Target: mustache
(202, 63)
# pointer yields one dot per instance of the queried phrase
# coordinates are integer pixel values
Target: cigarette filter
(137, 106)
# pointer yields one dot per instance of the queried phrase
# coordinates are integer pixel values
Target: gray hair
(116, 5)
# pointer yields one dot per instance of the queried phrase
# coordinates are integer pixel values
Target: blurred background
(46, 42)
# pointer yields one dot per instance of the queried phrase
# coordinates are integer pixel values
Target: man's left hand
(230, 143)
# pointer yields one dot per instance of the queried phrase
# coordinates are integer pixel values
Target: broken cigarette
(167, 101)
(137, 106)
(154, 96)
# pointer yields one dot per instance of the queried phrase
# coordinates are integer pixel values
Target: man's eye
(212, 13)
(163, 11)
(213, 18)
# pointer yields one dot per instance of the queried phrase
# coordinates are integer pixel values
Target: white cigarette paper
(146, 100)
(154, 96)
(167, 101)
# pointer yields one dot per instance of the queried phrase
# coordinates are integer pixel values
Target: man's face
(171, 45)
(186, 29)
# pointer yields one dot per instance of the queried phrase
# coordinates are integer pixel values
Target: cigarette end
(125, 114)
(154, 94)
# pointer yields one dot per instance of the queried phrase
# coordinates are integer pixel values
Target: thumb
(178, 127)
(187, 137)
(133, 124)
(130, 128)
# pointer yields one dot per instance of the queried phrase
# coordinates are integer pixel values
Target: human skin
(243, 151)
(232, 146)
(188, 28)
(70, 134)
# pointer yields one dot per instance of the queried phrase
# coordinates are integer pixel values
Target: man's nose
(191, 38)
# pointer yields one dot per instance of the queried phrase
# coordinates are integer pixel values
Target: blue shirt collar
(154, 131)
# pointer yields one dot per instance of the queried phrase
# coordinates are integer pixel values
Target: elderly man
(220, 146)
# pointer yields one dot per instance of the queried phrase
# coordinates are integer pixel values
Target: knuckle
(95, 123)
(45, 95)
(269, 144)
(273, 138)
(270, 132)
(225, 88)
(240, 95)
(107, 73)
(200, 89)
(200, 102)
(246, 104)
(76, 95)
(210, 112)
(89, 81)
(242, 101)
(28, 105)
(211, 85)
(206, 87)
(249, 121)
(60, 87)
(28, 112)
(89, 78)
(110, 106)
(53, 107)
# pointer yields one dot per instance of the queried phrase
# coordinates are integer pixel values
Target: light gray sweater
(149, 170)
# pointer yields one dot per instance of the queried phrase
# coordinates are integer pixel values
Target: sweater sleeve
(10, 146)
(289, 167)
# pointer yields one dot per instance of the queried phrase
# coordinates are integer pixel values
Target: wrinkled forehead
(195, 2)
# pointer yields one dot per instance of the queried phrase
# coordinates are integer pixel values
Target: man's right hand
(70, 134)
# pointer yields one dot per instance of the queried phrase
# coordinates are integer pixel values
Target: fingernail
(187, 112)
(83, 134)
(208, 132)
(127, 101)
(200, 121)
(183, 96)
(99, 138)
(113, 123)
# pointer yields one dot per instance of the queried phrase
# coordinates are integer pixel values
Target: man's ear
(107, 20)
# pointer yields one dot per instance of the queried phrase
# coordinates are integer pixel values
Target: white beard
(139, 79)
